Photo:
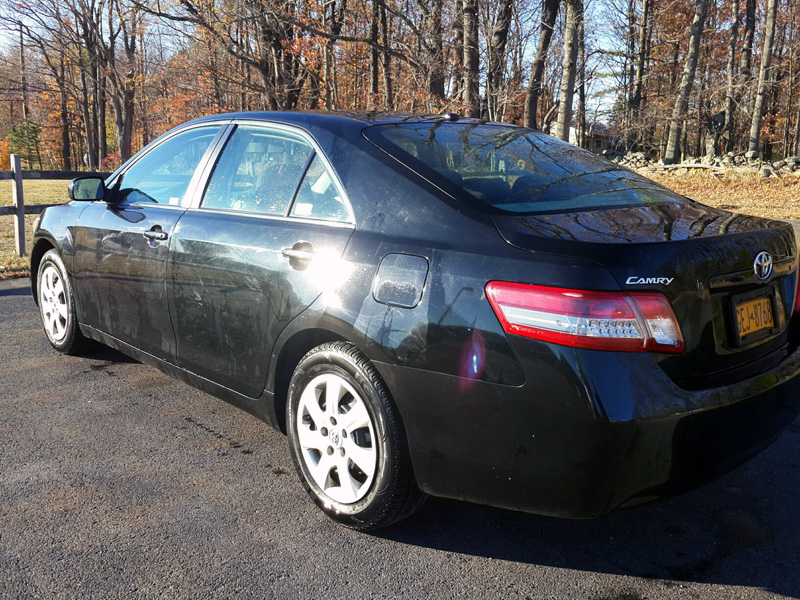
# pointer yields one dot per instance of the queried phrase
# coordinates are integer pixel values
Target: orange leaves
(5, 161)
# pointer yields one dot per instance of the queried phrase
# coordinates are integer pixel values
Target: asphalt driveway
(117, 481)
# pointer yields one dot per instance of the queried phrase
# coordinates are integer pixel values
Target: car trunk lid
(702, 259)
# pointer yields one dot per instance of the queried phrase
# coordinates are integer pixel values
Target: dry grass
(36, 192)
(744, 192)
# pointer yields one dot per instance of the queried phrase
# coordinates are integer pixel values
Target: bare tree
(763, 74)
(471, 59)
(496, 57)
(687, 80)
(730, 94)
(641, 58)
(388, 94)
(572, 21)
(124, 22)
(549, 14)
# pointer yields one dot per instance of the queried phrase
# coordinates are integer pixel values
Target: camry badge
(635, 280)
(763, 265)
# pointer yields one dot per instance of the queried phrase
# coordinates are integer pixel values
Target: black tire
(362, 499)
(57, 306)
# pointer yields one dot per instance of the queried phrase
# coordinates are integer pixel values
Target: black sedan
(435, 305)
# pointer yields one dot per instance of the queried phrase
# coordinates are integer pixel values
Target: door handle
(298, 254)
(156, 234)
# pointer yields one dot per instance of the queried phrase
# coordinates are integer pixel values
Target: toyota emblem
(763, 265)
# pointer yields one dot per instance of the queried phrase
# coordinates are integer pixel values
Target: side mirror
(87, 189)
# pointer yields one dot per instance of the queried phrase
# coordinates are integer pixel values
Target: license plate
(753, 316)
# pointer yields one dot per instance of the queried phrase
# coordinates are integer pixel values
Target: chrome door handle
(159, 236)
(298, 254)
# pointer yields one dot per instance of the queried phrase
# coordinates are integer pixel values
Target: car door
(122, 244)
(265, 241)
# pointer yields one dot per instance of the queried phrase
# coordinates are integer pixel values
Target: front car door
(264, 242)
(122, 245)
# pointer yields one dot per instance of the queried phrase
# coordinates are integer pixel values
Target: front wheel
(347, 440)
(57, 306)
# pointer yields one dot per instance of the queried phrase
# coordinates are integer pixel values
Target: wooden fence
(18, 208)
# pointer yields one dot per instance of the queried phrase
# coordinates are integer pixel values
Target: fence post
(19, 205)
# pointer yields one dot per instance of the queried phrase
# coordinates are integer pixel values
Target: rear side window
(513, 169)
(163, 174)
(258, 171)
(319, 197)
(274, 172)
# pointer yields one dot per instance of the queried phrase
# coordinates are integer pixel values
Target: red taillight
(797, 293)
(631, 322)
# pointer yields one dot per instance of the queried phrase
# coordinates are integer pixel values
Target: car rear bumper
(588, 432)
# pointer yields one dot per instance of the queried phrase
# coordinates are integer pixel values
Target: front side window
(258, 171)
(513, 169)
(163, 174)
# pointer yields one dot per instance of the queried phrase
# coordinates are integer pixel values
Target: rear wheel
(347, 440)
(57, 306)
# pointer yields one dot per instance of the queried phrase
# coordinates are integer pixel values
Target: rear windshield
(514, 169)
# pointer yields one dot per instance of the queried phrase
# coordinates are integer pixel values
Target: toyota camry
(436, 306)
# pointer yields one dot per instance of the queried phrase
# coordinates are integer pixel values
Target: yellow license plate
(753, 316)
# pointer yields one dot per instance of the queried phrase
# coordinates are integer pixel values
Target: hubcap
(337, 438)
(53, 303)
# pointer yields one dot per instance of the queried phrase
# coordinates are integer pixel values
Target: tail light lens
(797, 292)
(631, 322)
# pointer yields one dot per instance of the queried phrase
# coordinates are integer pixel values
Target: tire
(57, 306)
(352, 455)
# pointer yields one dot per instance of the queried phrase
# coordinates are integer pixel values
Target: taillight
(797, 292)
(631, 322)
(797, 295)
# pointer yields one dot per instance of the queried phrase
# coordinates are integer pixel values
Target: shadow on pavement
(22, 290)
(101, 352)
(741, 530)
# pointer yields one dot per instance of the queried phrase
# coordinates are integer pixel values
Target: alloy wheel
(53, 302)
(337, 438)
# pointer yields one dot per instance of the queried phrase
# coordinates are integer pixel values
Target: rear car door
(122, 245)
(264, 242)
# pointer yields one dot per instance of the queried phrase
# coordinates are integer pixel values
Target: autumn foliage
(102, 78)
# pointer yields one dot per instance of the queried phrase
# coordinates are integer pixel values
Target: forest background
(86, 83)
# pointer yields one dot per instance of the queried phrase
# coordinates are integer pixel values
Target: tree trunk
(66, 161)
(102, 145)
(766, 59)
(388, 95)
(471, 59)
(747, 43)
(23, 78)
(687, 80)
(496, 59)
(572, 21)
(96, 74)
(457, 54)
(730, 99)
(435, 62)
(87, 123)
(636, 101)
(374, 59)
(787, 142)
(124, 108)
(628, 70)
(549, 14)
(581, 129)
(797, 132)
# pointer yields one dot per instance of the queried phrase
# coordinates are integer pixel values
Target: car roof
(338, 119)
